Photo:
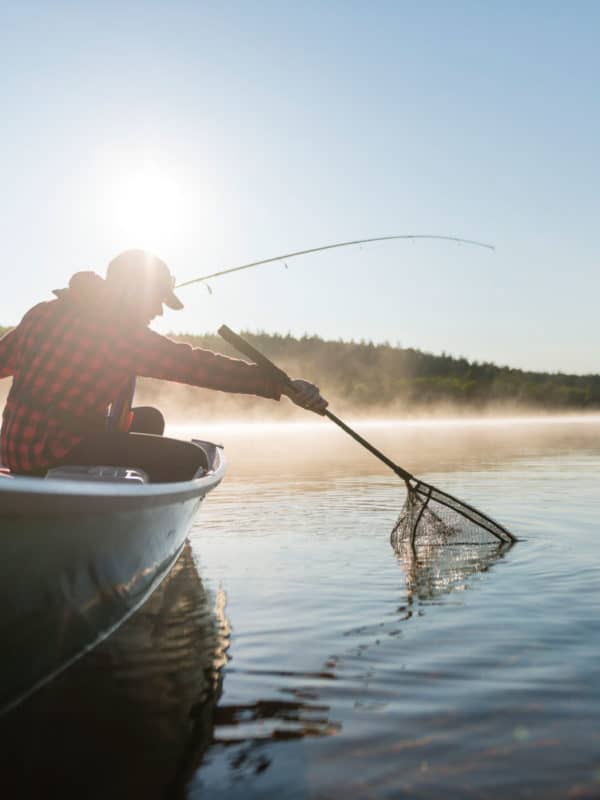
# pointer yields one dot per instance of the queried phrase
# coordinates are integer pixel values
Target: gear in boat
(163, 460)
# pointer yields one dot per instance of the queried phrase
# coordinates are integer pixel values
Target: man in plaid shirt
(73, 357)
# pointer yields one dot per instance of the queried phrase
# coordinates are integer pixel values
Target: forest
(367, 376)
(381, 378)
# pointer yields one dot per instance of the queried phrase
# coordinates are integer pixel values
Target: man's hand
(306, 395)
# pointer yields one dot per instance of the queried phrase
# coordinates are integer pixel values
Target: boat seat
(5, 473)
(99, 474)
(159, 459)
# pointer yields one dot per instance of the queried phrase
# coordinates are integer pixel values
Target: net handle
(244, 347)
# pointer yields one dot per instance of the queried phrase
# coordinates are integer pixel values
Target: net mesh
(432, 516)
(432, 571)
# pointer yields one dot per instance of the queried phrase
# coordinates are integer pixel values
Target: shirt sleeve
(9, 352)
(156, 356)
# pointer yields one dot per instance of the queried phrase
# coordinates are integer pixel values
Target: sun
(147, 205)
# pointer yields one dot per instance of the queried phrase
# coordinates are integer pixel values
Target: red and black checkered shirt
(70, 361)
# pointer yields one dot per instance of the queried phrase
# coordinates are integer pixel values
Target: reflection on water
(135, 715)
(279, 719)
(246, 729)
(432, 570)
(247, 736)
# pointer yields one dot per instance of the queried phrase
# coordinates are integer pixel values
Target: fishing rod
(285, 256)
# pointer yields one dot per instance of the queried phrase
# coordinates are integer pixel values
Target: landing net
(432, 516)
(432, 571)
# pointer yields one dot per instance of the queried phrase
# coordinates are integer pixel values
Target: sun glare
(148, 206)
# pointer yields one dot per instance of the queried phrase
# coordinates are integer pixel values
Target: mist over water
(266, 447)
(357, 671)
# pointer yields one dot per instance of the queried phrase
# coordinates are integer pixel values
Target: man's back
(71, 358)
(68, 365)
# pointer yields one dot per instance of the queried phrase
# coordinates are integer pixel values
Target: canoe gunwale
(20, 494)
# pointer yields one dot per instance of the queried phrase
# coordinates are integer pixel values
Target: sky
(220, 133)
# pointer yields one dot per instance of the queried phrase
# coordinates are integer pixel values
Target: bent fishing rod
(285, 256)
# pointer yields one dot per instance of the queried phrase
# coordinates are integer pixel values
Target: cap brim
(172, 301)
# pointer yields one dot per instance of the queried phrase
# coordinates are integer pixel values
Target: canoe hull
(77, 561)
(132, 717)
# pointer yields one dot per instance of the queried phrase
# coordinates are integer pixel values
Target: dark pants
(164, 460)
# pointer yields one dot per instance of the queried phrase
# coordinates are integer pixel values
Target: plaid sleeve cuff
(271, 389)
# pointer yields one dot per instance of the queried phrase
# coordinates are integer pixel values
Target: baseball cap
(141, 269)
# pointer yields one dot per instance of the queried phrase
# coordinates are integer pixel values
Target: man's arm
(156, 356)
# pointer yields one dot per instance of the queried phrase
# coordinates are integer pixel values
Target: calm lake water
(294, 654)
(356, 672)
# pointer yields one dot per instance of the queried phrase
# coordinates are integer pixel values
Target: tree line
(367, 376)
(363, 374)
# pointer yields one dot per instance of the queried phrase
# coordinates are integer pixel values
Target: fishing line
(283, 256)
